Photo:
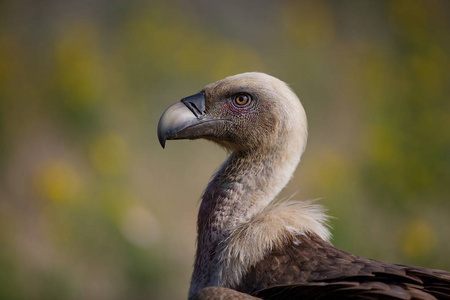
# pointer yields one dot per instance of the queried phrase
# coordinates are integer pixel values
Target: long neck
(245, 183)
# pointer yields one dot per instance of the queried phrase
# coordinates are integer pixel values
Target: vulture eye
(241, 100)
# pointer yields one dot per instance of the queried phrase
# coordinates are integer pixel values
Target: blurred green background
(92, 208)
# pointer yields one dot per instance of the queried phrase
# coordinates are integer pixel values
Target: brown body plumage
(252, 246)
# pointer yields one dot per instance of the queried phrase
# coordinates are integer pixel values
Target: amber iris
(241, 99)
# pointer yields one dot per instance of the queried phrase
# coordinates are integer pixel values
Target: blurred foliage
(92, 208)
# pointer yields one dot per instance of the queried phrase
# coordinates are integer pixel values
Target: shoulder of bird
(312, 268)
(276, 256)
(307, 267)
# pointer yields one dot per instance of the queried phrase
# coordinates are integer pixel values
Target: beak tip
(162, 140)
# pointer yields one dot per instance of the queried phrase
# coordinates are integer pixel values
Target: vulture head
(261, 121)
(245, 112)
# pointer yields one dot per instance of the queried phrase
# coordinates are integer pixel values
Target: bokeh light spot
(140, 227)
(418, 239)
(58, 181)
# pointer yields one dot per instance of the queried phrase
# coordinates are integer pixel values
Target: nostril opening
(196, 103)
(196, 108)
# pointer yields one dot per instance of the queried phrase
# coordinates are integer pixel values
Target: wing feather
(315, 269)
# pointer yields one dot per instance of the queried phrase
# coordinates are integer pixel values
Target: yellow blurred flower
(79, 72)
(58, 182)
(418, 239)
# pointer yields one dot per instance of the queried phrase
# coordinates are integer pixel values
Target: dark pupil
(242, 99)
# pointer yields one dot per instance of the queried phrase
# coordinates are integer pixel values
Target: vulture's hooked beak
(186, 119)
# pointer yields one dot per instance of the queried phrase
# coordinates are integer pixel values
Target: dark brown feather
(221, 293)
(314, 269)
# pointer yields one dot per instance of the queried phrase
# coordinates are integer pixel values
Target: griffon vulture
(250, 246)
